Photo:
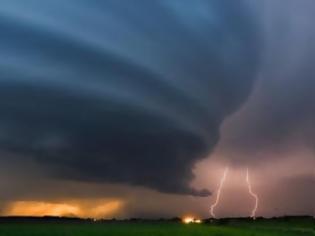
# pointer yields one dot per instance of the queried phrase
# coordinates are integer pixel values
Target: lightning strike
(254, 195)
(219, 192)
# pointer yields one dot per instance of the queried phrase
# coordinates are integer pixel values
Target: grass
(268, 228)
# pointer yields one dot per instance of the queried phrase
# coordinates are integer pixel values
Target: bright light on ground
(188, 220)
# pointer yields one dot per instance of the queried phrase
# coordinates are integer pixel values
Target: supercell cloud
(118, 92)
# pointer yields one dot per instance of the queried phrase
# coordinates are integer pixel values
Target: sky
(134, 109)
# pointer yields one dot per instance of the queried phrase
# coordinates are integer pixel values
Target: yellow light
(189, 220)
(198, 221)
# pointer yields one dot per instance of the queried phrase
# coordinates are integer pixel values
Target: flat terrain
(234, 228)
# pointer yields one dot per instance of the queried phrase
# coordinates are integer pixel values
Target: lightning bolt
(254, 195)
(219, 192)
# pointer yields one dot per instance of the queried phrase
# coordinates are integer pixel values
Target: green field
(261, 228)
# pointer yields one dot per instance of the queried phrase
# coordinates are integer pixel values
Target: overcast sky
(134, 109)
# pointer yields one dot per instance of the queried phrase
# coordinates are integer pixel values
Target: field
(295, 227)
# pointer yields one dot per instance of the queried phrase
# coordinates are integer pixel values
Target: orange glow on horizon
(83, 209)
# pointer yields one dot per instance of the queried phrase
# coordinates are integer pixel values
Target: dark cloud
(122, 92)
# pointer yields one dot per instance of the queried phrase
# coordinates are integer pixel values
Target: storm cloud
(122, 92)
